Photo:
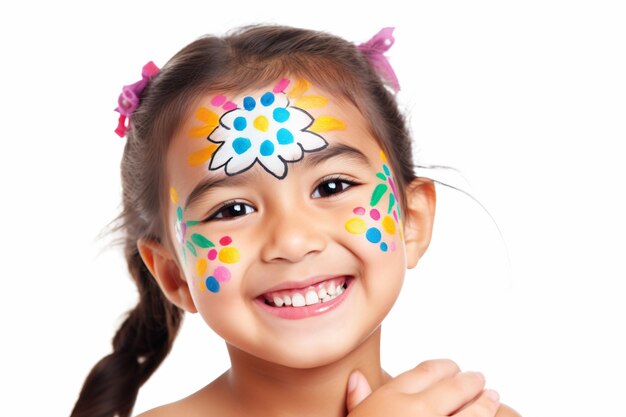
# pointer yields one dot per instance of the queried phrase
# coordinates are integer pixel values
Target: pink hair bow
(131, 94)
(374, 50)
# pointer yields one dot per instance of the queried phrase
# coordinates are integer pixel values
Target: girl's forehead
(267, 131)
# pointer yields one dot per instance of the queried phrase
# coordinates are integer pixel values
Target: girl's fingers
(450, 395)
(485, 405)
(425, 375)
(358, 390)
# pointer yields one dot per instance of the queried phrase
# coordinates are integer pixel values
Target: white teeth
(312, 298)
(322, 293)
(278, 301)
(297, 300)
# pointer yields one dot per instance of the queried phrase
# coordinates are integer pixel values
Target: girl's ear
(418, 218)
(164, 268)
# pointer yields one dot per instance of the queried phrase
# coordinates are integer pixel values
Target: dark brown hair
(250, 57)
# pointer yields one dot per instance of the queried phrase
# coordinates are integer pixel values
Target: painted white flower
(266, 130)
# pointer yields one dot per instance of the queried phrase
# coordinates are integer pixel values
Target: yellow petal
(311, 102)
(299, 88)
(325, 124)
(173, 195)
(201, 156)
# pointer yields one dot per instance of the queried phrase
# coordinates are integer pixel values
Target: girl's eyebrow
(336, 151)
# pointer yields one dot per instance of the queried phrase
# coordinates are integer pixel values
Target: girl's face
(285, 221)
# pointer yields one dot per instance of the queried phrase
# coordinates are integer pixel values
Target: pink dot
(229, 106)
(280, 87)
(212, 254)
(374, 214)
(359, 211)
(221, 274)
(225, 241)
(392, 246)
(218, 100)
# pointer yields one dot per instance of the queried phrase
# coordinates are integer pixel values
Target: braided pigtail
(141, 343)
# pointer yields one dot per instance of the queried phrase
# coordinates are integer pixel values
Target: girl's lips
(303, 303)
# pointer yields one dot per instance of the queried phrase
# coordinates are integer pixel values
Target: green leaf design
(179, 213)
(201, 241)
(192, 223)
(392, 201)
(378, 193)
(191, 248)
(381, 176)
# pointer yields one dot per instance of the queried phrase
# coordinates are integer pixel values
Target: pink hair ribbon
(374, 50)
(128, 101)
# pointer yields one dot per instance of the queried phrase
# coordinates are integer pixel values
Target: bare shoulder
(207, 402)
(506, 411)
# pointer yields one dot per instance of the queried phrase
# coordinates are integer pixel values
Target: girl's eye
(330, 187)
(231, 210)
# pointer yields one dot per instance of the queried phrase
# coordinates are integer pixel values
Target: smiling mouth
(319, 293)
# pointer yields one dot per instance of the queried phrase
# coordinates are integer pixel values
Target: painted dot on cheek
(221, 274)
(374, 214)
(225, 241)
(389, 225)
(359, 211)
(201, 267)
(212, 284)
(356, 226)
(392, 246)
(229, 255)
(212, 255)
(383, 247)
(373, 235)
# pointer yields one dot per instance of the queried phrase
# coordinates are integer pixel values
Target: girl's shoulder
(208, 401)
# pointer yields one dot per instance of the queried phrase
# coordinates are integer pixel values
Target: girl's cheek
(208, 260)
(378, 220)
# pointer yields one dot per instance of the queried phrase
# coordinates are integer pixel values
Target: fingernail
(352, 382)
(492, 395)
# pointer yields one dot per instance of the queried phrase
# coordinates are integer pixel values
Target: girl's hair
(250, 57)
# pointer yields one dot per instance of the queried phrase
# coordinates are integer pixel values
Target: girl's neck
(262, 388)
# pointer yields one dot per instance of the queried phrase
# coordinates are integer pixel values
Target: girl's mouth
(305, 302)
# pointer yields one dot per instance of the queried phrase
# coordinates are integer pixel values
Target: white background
(527, 99)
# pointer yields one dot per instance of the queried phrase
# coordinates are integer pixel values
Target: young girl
(269, 186)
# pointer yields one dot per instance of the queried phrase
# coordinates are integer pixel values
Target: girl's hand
(433, 388)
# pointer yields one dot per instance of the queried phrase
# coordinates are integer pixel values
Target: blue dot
(386, 169)
(240, 123)
(281, 115)
(267, 148)
(373, 235)
(212, 284)
(249, 103)
(383, 247)
(267, 99)
(240, 145)
(284, 136)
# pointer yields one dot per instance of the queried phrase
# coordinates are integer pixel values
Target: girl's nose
(291, 236)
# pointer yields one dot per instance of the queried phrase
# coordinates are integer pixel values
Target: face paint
(383, 223)
(227, 254)
(271, 129)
